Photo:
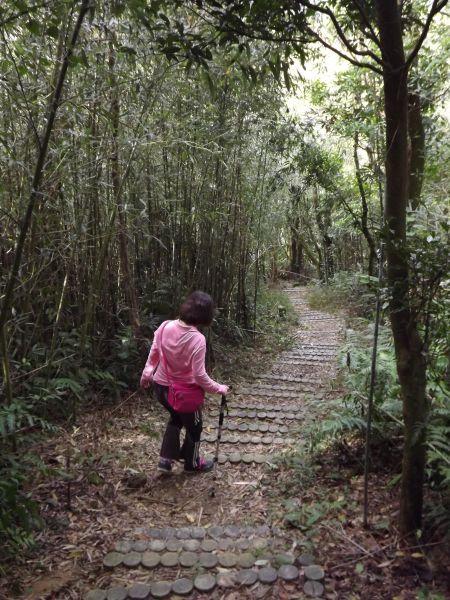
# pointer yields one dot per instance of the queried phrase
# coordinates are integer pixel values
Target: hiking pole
(223, 407)
(373, 375)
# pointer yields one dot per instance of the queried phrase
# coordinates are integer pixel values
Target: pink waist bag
(182, 397)
(185, 397)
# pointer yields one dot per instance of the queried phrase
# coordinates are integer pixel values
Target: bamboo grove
(146, 151)
(153, 186)
(158, 179)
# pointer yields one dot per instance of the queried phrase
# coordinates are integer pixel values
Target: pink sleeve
(153, 356)
(199, 372)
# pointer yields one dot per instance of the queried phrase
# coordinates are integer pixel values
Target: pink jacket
(184, 350)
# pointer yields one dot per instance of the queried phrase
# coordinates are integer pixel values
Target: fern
(17, 416)
(347, 416)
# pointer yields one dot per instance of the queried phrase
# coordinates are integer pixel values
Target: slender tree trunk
(364, 210)
(296, 248)
(417, 149)
(35, 194)
(329, 256)
(411, 364)
(127, 278)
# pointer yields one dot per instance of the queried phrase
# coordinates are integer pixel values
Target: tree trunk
(127, 278)
(328, 256)
(296, 248)
(364, 211)
(54, 101)
(411, 364)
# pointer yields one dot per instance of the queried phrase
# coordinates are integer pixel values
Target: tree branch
(330, 14)
(353, 214)
(24, 12)
(262, 36)
(265, 36)
(365, 18)
(346, 57)
(435, 8)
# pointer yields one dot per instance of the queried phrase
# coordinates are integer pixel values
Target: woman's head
(197, 309)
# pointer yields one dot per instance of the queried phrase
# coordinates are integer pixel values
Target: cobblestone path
(237, 552)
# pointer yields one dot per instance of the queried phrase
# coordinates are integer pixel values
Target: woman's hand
(146, 379)
(228, 390)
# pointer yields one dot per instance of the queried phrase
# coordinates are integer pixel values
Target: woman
(180, 348)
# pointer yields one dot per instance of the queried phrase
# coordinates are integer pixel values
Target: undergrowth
(353, 291)
(239, 352)
(342, 430)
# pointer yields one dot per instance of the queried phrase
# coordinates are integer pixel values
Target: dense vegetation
(146, 150)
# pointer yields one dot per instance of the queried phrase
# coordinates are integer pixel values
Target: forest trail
(228, 545)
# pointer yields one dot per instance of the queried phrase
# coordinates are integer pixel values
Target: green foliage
(438, 464)
(124, 364)
(273, 310)
(149, 430)
(303, 468)
(19, 513)
(347, 416)
(54, 380)
(352, 290)
(438, 440)
(305, 516)
(426, 594)
(215, 178)
(19, 416)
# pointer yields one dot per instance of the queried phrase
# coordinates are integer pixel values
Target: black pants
(192, 422)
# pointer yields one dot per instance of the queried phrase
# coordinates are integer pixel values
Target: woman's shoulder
(198, 338)
(161, 328)
(163, 324)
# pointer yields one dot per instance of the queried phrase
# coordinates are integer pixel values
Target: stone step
(313, 351)
(322, 347)
(245, 458)
(300, 362)
(310, 352)
(261, 427)
(257, 390)
(274, 424)
(272, 397)
(274, 410)
(306, 319)
(208, 582)
(249, 439)
(213, 532)
(186, 559)
(291, 415)
(277, 408)
(288, 379)
(306, 358)
(325, 332)
(303, 313)
(276, 393)
(297, 403)
(247, 407)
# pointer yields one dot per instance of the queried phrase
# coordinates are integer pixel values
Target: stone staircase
(245, 558)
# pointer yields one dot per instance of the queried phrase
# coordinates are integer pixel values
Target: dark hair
(197, 309)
